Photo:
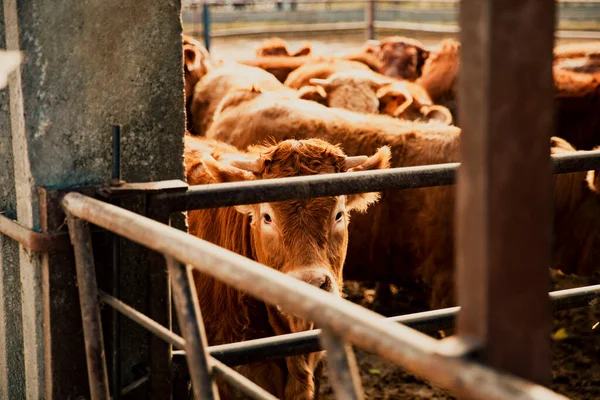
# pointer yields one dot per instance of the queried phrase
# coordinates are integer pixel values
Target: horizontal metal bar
(240, 382)
(281, 189)
(365, 329)
(428, 322)
(234, 378)
(35, 241)
(128, 189)
(298, 28)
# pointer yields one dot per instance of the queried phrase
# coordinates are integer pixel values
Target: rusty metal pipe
(281, 189)
(90, 310)
(192, 328)
(342, 367)
(36, 241)
(232, 377)
(413, 350)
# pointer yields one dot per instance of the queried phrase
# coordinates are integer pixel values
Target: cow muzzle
(318, 277)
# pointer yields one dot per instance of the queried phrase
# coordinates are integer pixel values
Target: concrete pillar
(87, 65)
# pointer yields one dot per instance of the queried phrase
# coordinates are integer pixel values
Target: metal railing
(340, 319)
(429, 16)
(441, 362)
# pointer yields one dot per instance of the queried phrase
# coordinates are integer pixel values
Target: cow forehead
(303, 212)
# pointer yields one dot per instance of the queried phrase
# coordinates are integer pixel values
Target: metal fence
(491, 173)
(442, 362)
(578, 19)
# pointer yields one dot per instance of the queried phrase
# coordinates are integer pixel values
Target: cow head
(196, 64)
(402, 57)
(367, 92)
(306, 239)
(352, 90)
(278, 47)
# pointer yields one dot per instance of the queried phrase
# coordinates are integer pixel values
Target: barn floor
(575, 358)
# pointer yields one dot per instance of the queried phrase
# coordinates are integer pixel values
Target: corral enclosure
(84, 83)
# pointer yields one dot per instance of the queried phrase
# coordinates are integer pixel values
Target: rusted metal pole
(370, 19)
(159, 309)
(504, 185)
(192, 328)
(342, 368)
(116, 271)
(232, 377)
(90, 310)
(413, 350)
(301, 187)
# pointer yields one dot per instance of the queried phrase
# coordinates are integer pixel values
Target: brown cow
(279, 47)
(369, 92)
(218, 83)
(577, 82)
(395, 56)
(321, 70)
(276, 58)
(305, 239)
(576, 79)
(440, 73)
(408, 235)
(196, 64)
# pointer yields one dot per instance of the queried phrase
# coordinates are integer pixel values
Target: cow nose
(324, 282)
(318, 277)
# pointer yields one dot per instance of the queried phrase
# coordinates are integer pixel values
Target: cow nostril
(325, 284)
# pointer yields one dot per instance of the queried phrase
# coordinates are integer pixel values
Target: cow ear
(227, 172)
(394, 100)
(593, 178)
(191, 58)
(437, 113)
(233, 171)
(380, 160)
(306, 50)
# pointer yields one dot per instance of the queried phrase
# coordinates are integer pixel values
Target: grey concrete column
(87, 65)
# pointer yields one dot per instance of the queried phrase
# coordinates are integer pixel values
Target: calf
(305, 239)
(408, 235)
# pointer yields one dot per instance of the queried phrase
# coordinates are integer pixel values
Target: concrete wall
(12, 367)
(88, 65)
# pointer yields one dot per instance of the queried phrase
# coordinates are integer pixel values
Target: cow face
(402, 57)
(352, 90)
(306, 239)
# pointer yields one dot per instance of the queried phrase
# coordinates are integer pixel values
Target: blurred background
(236, 27)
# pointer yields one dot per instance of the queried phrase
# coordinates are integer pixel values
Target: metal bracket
(35, 241)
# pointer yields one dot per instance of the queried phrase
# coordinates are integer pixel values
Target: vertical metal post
(206, 24)
(196, 30)
(159, 309)
(504, 183)
(192, 329)
(90, 310)
(370, 19)
(343, 370)
(116, 273)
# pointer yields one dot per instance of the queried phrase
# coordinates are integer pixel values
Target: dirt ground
(575, 358)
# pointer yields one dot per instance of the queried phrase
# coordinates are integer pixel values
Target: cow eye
(339, 216)
(267, 218)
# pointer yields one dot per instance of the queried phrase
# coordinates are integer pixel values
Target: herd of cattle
(392, 104)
